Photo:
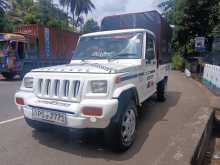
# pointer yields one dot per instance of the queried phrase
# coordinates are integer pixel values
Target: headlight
(28, 82)
(98, 86)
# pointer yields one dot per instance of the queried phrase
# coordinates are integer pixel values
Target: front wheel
(121, 135)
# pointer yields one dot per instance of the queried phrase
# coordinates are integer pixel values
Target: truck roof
(150, 20)
(117, 32)
(12, 36)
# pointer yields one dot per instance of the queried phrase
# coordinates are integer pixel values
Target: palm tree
(63, 3)
(3, 6)
(77, 8)
(82, 7)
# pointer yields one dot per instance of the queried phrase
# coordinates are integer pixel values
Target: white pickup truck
(109, 77)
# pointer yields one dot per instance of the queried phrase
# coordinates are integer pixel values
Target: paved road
(159, 124)
(7, 107)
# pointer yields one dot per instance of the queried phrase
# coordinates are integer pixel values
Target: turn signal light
(118, 80)
(19, 101)
(92, 111)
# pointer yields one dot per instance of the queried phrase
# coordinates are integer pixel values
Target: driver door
(150, 66)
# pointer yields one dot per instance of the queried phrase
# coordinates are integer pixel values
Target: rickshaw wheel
(8, 75)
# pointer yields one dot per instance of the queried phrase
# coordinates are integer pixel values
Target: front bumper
(74, 116)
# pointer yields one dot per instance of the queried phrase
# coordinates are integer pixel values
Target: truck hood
(84, 67)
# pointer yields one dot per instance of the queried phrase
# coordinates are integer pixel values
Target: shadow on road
(91, 143)
(17, 78)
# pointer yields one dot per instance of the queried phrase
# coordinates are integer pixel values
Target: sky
(112, 7)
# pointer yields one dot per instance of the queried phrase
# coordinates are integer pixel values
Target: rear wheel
(161, 90)
(8, 75)
(121, 135)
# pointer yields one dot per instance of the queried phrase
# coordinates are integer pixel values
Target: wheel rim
(128, 127)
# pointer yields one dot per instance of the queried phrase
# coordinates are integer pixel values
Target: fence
(211, 78)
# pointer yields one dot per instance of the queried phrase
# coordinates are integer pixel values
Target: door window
(149, 53)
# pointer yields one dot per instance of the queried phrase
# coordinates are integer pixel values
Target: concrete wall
(211, 78)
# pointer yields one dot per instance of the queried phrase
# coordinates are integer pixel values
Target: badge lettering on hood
(108, 69)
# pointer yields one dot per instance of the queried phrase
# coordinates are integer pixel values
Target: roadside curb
(213, 99)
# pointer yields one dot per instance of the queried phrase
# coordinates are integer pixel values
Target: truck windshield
(117, 46)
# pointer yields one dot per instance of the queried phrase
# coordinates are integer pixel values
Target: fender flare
(120, 90)
(124, 97)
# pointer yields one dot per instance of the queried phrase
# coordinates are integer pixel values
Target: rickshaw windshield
(3, 48)
(3, 45)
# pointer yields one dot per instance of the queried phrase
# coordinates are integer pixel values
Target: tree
(77, 8)
(216, 30)
(42, 12)
(90, 26)
(169, 9)
(191, 19)
(5, 24)
(19, 10)
(3, 7)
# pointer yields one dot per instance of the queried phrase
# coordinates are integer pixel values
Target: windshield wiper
(120, 55)
(85, 58)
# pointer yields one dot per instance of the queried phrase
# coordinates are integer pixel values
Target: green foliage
(77, 8)
(169, 8)
(90, 26)
(5, 24)
(3, 7)
(191, 19)
(177, 62)
(216, 30)
(30, 18)
(43, 12)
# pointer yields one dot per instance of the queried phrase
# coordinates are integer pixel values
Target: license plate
(49, 116)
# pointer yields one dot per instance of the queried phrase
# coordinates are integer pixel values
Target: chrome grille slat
(76, 88)
(66, 88)
(40, 85)
(48, 87)
(58, 89)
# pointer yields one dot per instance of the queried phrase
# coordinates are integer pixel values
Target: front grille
(66, 88)
(58, 89)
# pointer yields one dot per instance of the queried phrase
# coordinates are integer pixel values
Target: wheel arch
(123, 98)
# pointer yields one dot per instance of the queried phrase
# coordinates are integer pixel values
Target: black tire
(39, 126)
(113, 134)
(161, 90)
(8, 75)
